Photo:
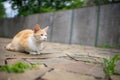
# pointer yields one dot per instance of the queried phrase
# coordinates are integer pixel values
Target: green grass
(18, 67)
(109, 65)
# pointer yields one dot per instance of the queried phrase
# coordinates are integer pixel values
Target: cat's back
(22, 36)
(20, 40)
(24, 33)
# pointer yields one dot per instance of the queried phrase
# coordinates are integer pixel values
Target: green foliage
(26, 7)
(100, 2)
(109, 65)
(2, 10)
(47, 10)
(18, 67)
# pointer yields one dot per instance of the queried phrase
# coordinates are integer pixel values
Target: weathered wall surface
(61, 27)
(76, 26)
(84, 26)
(109, 26)
(9, 27)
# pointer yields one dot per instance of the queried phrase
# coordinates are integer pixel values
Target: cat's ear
(46, 28)
(36, 28)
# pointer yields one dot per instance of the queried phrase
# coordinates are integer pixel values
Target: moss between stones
(18, 67)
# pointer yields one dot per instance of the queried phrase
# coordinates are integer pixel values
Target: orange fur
(28, 40)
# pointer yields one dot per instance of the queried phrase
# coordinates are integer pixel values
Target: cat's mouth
(39, 39)
(43, 40)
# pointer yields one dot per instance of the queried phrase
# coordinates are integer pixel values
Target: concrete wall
(84, 26)
(109, 27)
(76, 26)
(61, 27)
(9, 27)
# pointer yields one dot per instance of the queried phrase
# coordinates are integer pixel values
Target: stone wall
(76, 26)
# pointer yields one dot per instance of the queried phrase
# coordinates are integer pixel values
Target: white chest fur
(34, 46)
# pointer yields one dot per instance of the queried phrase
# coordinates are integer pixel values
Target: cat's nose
(45, 38)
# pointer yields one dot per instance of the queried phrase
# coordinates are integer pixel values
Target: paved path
(59, 62)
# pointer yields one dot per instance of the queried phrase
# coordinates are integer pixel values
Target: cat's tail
(10, 47)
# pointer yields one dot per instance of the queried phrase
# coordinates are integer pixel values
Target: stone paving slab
(27, 75)
(60, 61)
(78, 67)
(63, 75)
(115, 77)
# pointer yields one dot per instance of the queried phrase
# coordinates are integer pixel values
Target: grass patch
(18, 67)
(109, 66)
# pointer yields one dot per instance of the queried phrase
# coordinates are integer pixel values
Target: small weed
(18, 67)
(109, 66)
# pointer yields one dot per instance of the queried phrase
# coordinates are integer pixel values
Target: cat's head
(40, 34)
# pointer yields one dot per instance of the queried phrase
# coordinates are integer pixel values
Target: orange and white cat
(29, 40)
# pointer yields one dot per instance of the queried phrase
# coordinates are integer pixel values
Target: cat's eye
(41, 34)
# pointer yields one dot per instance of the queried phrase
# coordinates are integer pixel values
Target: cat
(29, 40)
